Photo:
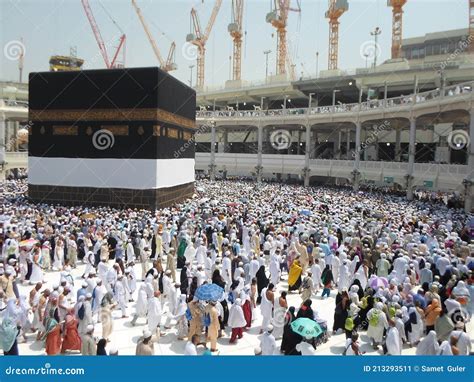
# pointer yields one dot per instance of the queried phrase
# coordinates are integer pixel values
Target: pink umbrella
(378, 282)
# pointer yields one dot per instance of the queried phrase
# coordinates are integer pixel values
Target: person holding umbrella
(214, 325)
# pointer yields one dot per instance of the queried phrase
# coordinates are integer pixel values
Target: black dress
(262, 282)
(287, 332)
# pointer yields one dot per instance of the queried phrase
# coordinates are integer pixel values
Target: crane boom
(235, 30)
(96, 31)
(335, 10)
(397, 24)
(212, 19)
(170, 61)
(278, 17)
(199, 40)
(196, 24)
(148, 34)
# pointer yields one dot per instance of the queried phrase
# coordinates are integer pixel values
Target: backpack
(81, 312)
(392, 312)
(349, 323)
(374, 318)
(364, 302)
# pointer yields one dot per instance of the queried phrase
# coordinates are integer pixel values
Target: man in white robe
(154, 314)
(316, 275)
(268, 342)
(121, 295)
(344, 277)
(274, 269)
(226, 269)
(377, 323)
(87, 319)
(392, 342)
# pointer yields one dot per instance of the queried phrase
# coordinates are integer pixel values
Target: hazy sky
(51, 27)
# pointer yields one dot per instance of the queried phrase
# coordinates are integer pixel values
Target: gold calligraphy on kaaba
(102, 115)
(116, 129)
(157, 130)
(187, 136)
(65, 130)
(173, 133)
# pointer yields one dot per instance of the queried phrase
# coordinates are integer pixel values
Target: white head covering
(428, 345)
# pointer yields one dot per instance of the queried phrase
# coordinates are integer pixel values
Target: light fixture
(388, 143)
(289, 100)
(245, 103)
(350, 83)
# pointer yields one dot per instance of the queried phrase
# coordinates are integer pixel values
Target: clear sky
(51, 27)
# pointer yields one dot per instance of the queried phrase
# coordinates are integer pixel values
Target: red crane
(110, 64)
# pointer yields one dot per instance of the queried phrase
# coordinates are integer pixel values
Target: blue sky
(50, 27)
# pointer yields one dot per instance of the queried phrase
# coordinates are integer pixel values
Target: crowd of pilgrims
(399, 273)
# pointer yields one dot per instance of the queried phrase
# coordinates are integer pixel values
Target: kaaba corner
(114, 137)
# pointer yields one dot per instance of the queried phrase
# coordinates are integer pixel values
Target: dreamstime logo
(370, 50)
(372, 137)
(459, 315)
(103, 139)
(280, 139)
(189, 51)
(280, 318)
(458, 139)
(13, 50)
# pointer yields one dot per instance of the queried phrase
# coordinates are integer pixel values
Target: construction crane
(471, 26)
(113, 63)
(199, 39)
(335, 10)
(167, 65)
(397, 24)
(235, 30)
(278, 17)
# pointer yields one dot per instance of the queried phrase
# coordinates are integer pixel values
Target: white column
(365, 151)
(212, 166)
(298, 150)
(356, 172)
(259, 152)
(307, 153)
(470, 167)
(339, 144)
(226, 141)
(348, 144)
(398, 144)
(2, 146)
(376, 148)
(411, 158)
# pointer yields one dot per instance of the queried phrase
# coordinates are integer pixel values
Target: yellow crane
(278, 17)
(397, 26)
(167, 65)
(199, 39)
(235, 30)
(335, 10)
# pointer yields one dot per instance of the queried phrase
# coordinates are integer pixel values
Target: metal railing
(411, 99)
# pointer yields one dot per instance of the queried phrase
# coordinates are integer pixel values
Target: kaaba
(114, 137)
